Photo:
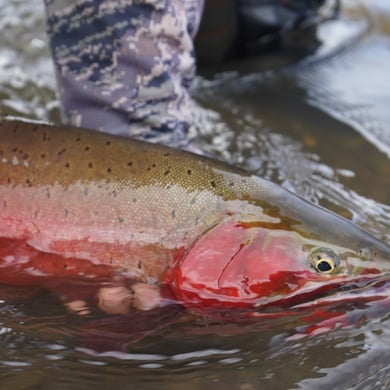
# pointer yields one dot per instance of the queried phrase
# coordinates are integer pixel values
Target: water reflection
(301, 148)
(351, 96)
(352, 358)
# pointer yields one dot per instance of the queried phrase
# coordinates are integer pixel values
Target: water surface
(319, 128)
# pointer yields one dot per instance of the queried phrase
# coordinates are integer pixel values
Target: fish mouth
(360, 289)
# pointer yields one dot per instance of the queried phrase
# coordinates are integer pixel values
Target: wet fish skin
(138, 206)
(73, 192)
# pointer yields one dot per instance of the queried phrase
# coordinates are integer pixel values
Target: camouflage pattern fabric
(126, 66)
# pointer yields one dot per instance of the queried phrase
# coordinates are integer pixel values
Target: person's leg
(125, 67)
(235, 29)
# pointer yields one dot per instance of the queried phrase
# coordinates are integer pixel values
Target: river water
(320, 128)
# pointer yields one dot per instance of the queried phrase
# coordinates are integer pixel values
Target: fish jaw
(236, 266)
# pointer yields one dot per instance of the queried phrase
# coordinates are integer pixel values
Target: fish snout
(246, 266)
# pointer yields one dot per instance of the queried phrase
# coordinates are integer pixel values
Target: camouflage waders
(126, 66)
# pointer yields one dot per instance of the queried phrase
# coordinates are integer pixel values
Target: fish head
(248, 265)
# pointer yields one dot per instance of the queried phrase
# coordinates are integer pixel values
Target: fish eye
(364, 253)
(324, 260)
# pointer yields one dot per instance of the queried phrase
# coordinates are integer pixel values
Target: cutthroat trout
(78, 203)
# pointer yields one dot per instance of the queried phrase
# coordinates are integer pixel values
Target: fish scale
(167, 216)
(62, 184)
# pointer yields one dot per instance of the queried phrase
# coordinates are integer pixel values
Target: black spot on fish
(130, 163)
(43, 155)
(35, 128)
(86, 191)
(139, 264)
(212, 182)
(120, 220)
(166, 154)
(114, 193)
(4, 204)
(47, 193)
(90, 165)
(78, 139)
(168, 186)
(67, 165)
(15, 150)
(231, 184)
(65, 265)
(167, 172)
(28, 182)
(108, 170)
(134, 200)
(108, 143)
(66, 212)
(189, 171)
(86, 148)
(173, 213)
(153, 165)
(61, 152)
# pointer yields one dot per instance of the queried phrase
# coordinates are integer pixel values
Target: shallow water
(319, 128)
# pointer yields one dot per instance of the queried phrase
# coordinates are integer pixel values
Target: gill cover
(234, 265)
